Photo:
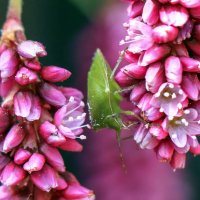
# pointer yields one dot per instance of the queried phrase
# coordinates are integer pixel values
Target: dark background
(57, 24)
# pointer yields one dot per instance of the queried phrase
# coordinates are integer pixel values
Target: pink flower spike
(164, 33)
(12, 174)
(191, 86)
(45, 179)
(22, 104)
(53, 157)
(21, 156)
(154, 77)
(173, 70)
(8, 63)
(55, 74)
(25, 76)
(14, 137)
(190, 64)
(52, 95)
(178, 161)
(31, 49)
(153, 54)
(174, 15)
(35, 163)
(150, 14)
(165, 151)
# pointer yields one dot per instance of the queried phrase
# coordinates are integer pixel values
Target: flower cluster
(163, 56)
(36, 118)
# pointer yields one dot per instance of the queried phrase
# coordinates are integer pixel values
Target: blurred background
(71, 30)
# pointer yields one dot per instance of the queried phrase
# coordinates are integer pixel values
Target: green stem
(15, 9)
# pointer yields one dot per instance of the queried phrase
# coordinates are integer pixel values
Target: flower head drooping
(37, 118)
(164, 37)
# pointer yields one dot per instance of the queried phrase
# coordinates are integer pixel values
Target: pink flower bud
(194, 45)
(157, 131)
(27, 105)
(153, 114)
(135, 71)
(135, 9)
(52, 95)
(45, 179)
(71, 145)
(50, 134)
(165, 151)
(144, 102)
(8, 63)
(123, 79)
(150, 14)
(164, 33)
(71, 92)
(62, 184)
(190, 64)
(130, 57)
(55, 74)
(31, 49)
(190, 3)
(78, 192)
(22, 104)
(12, 174)
(14, 137)
(137, 92)
(33, 64)
(173, 70)
(35, 163)
(174, 15)
(5, 121)
(154, 77)
(178, 160)
(25, 76)
(21, 156)
(53, 157)
(191, 86)
(154, 54)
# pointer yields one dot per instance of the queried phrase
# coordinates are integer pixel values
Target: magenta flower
(167, 93)
(37, 117)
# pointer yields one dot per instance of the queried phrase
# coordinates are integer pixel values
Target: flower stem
(15, 9)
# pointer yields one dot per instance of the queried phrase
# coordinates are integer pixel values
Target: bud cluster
(36, 118)
(163, 56)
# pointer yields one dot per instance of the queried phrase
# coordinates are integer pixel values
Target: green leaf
(103, 96)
